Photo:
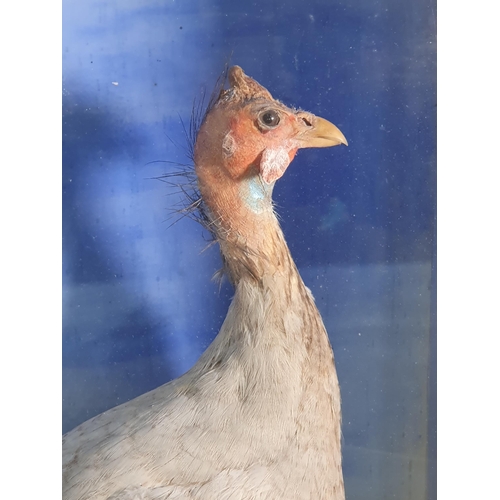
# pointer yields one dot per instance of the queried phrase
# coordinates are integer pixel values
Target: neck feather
(273, 332)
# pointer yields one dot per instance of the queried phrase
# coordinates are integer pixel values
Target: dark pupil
(270, 118)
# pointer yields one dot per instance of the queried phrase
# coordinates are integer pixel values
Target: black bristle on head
(191, 204)
(184, 178)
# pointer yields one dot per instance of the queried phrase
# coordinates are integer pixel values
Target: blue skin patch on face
(256, 194)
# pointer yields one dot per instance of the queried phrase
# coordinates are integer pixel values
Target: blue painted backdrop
(139, 303)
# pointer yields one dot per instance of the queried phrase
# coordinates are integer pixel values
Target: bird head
(245, 143)
(248, 133)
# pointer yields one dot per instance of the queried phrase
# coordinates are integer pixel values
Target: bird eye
(269, 118)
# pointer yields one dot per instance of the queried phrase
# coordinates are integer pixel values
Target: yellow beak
(317, 132)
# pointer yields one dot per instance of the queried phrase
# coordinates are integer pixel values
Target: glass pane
(139, 303)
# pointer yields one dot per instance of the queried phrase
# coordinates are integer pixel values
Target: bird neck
(242, 217)
(273, 333)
